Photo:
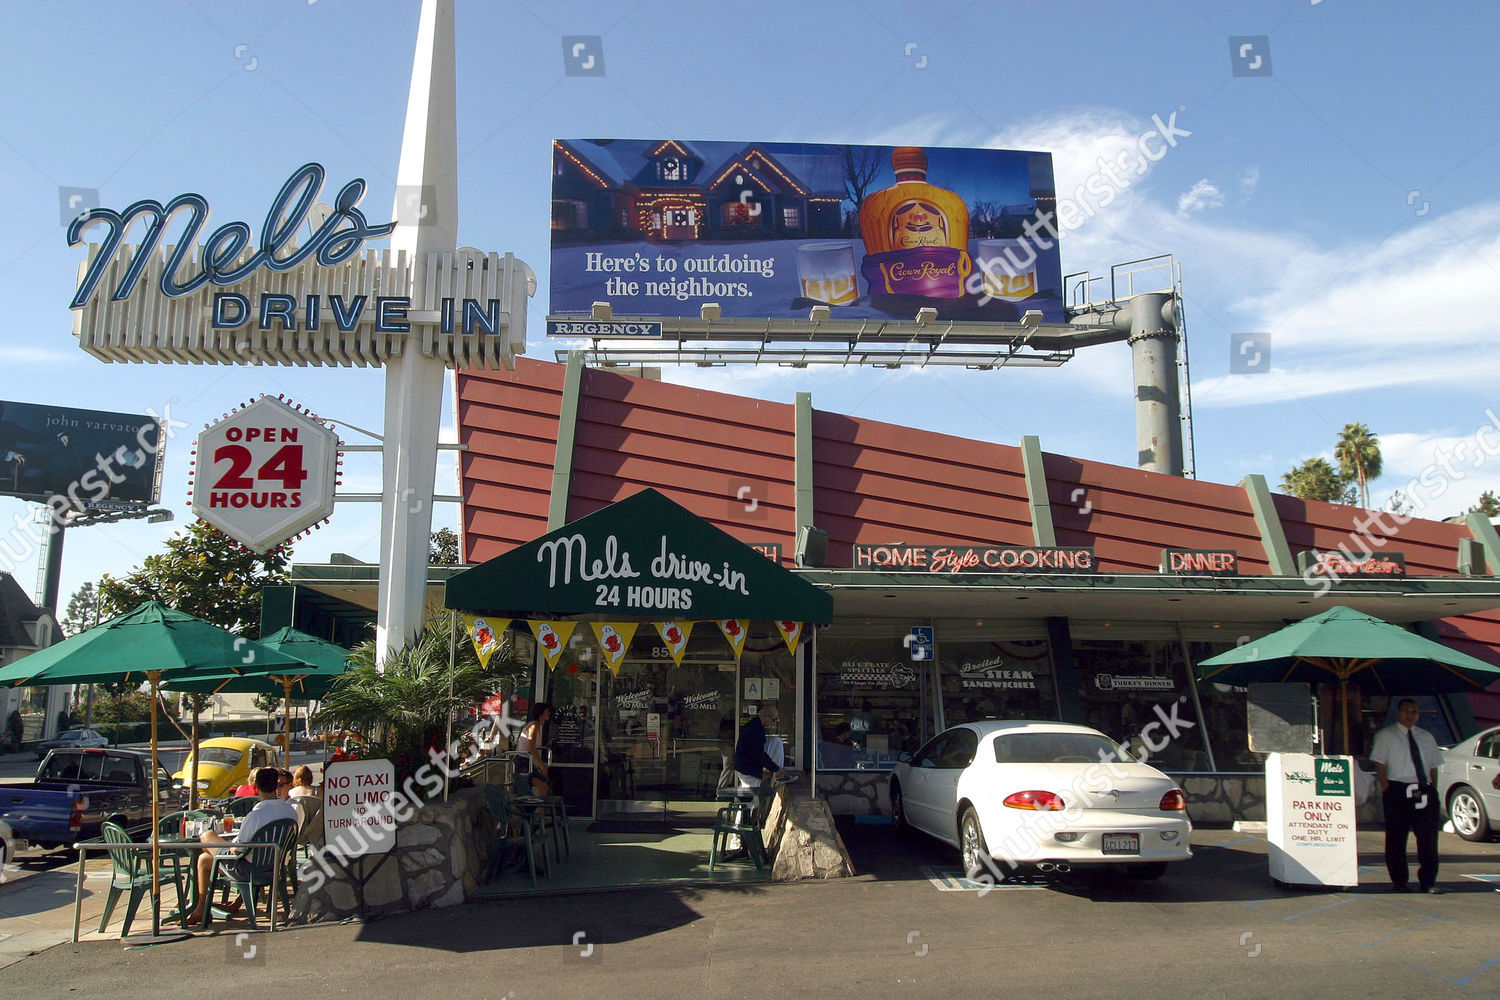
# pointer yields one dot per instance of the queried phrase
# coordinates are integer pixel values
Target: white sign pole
(426, 214)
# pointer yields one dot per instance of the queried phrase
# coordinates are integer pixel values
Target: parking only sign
(265, 473)
(922, 642)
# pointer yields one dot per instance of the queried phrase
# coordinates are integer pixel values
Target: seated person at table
(246, 790)
(283, 784)
(268, 810)
(302, 783)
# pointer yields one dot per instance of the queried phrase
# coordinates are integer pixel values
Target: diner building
(969, 579)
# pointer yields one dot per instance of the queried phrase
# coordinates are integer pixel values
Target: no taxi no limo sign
(265, 473)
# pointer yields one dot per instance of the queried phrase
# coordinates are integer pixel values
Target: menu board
(569, 725)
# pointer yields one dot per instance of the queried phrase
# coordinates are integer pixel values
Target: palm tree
(1315, 479)
(401, 707)
(1358, 455)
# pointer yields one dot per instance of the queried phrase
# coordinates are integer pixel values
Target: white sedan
(1045, 794)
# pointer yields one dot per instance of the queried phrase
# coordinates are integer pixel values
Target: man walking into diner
(268, 810)
(751, 756)
(1406, 761)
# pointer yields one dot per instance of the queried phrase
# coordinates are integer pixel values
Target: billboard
(97, 460)
(770, 230)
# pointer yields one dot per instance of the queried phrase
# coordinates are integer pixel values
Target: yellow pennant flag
(614, 638)
(735, 630)
(792, 633)
(675, 635)
(485, 634)
(553, 638)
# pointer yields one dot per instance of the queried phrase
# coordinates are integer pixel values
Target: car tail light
(1173, 800)
(75, 818)
(1041, 801)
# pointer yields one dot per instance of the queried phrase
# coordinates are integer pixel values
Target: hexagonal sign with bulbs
(265, 473)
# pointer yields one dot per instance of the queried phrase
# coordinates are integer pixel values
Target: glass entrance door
(666, 735)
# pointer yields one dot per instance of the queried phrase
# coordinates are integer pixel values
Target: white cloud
(1441, 472)
(1204, 194)
(1249, 180)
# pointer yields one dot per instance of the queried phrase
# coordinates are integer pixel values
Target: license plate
(1121, 843)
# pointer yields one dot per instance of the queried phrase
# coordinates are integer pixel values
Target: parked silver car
(72, 739)
(1467, 780)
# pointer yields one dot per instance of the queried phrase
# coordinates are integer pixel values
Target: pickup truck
(77, 790)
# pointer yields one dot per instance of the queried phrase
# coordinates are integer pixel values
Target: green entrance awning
(642, 557)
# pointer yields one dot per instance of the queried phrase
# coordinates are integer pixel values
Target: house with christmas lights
(670, 192)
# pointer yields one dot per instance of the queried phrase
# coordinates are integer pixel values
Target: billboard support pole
(1158, 405)
(52, 570)
(426, 212)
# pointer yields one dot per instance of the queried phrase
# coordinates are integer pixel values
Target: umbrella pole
(193, 777)
(286, 685)
(155, 676)
(1344, 703)
(156, 936)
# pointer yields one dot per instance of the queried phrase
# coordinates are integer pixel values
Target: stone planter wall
(439, 860)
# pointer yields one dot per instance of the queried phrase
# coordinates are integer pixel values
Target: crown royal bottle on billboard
(916, 234)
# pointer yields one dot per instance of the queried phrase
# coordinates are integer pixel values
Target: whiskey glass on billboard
(1008, 267)
(826, 271)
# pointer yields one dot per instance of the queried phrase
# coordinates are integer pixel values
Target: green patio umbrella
(321, 663)
(1351, 647)
(152, 643)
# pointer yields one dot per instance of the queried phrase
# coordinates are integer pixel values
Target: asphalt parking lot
(1215, 927)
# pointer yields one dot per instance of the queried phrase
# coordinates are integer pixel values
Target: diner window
(872, 703)
(997, 680)
(1224, 714)
(1138, 693)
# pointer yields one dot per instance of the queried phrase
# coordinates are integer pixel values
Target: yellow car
(226, 763)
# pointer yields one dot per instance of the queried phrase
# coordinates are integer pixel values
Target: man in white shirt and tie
(1406, 761)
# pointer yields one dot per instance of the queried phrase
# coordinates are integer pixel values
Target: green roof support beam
(1272, 535)
(802, 460)
(1484, 533)
(1042, 531)
(567, 429)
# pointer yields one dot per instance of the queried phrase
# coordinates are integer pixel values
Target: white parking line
(956, 880)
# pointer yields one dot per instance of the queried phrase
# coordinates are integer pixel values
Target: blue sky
(1345, 204)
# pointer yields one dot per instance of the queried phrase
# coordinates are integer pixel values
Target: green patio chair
(130, 872)
(508, 819)
(266, 865)
(240, 807)
(738, 820)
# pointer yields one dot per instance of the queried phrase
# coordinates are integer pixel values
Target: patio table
(189, 847)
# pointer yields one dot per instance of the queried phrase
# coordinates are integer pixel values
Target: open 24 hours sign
(265, 473)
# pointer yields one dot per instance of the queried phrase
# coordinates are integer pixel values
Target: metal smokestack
(1152, 319)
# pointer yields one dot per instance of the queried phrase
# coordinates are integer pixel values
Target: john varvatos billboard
(768, 229)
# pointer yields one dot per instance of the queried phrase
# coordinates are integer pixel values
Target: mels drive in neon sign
(340, 236)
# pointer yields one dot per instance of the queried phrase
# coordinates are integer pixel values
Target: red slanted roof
(874, 483)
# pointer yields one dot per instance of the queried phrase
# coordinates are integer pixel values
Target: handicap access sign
(922, 642)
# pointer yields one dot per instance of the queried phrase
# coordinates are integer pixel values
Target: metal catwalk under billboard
(659, 227)
(97, 460)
